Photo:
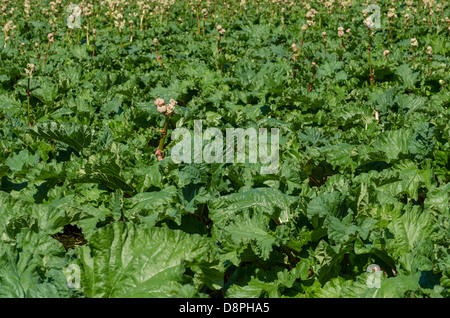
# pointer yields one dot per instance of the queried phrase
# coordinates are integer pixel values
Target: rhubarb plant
(353, 106)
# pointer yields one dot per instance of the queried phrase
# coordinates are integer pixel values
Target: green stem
(370, 61)
(28, 102)
(164, 132)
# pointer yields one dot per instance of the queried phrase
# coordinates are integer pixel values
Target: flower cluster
(119, 23)
(391, 13)
(295, 51)
(8, 27)
(29, 70)
(205, 13)
(220, 30)
(50, 37)
(414, 42)
(310, 17)
(369, 23)
(166, 109)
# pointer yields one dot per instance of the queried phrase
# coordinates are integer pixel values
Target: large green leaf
(33, 267)
(263, 200)
(410, 229)
(393, 143)
(123, 260)
(75, 135)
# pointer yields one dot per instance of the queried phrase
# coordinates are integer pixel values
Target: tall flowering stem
(87, 13)
(430, 54)
(205, 16)
(167, 110)
(94, 32)
(313, 65)
(29, 74)
(304, 28)
(390, 15)
(7, 28)
(219, 38)
(371, 76)
(406, 22)
(50, 41)
(198, 19)
(131, 30)
(156, 42)
(119, 23)
(413, 44)
(294, 57)
(341, 35)
(221, 31)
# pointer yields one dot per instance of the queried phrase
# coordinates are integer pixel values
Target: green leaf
(422, 142)
(263, 200)
(154, 206)
(46, 92)
(75, 135)
(410, 229)
(103, 172)
(22, 160)
(122, 260)
(33, 267)
(250, 230)
(393, 143)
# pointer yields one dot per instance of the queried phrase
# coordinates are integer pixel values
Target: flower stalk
(294, 58)
(50, 41)
(310, 86)
(29, 74)
(167, 110)
(219, 38)
(414, 43)
(94, 32)
(371, 76)
(430, 56)
(156, 42)
(341, 35)
(304, 28)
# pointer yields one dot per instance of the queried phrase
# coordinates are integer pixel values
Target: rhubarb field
(121, 176)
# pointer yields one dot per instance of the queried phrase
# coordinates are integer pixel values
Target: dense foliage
(364, 173)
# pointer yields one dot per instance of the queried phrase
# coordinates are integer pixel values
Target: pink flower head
(160, 105)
